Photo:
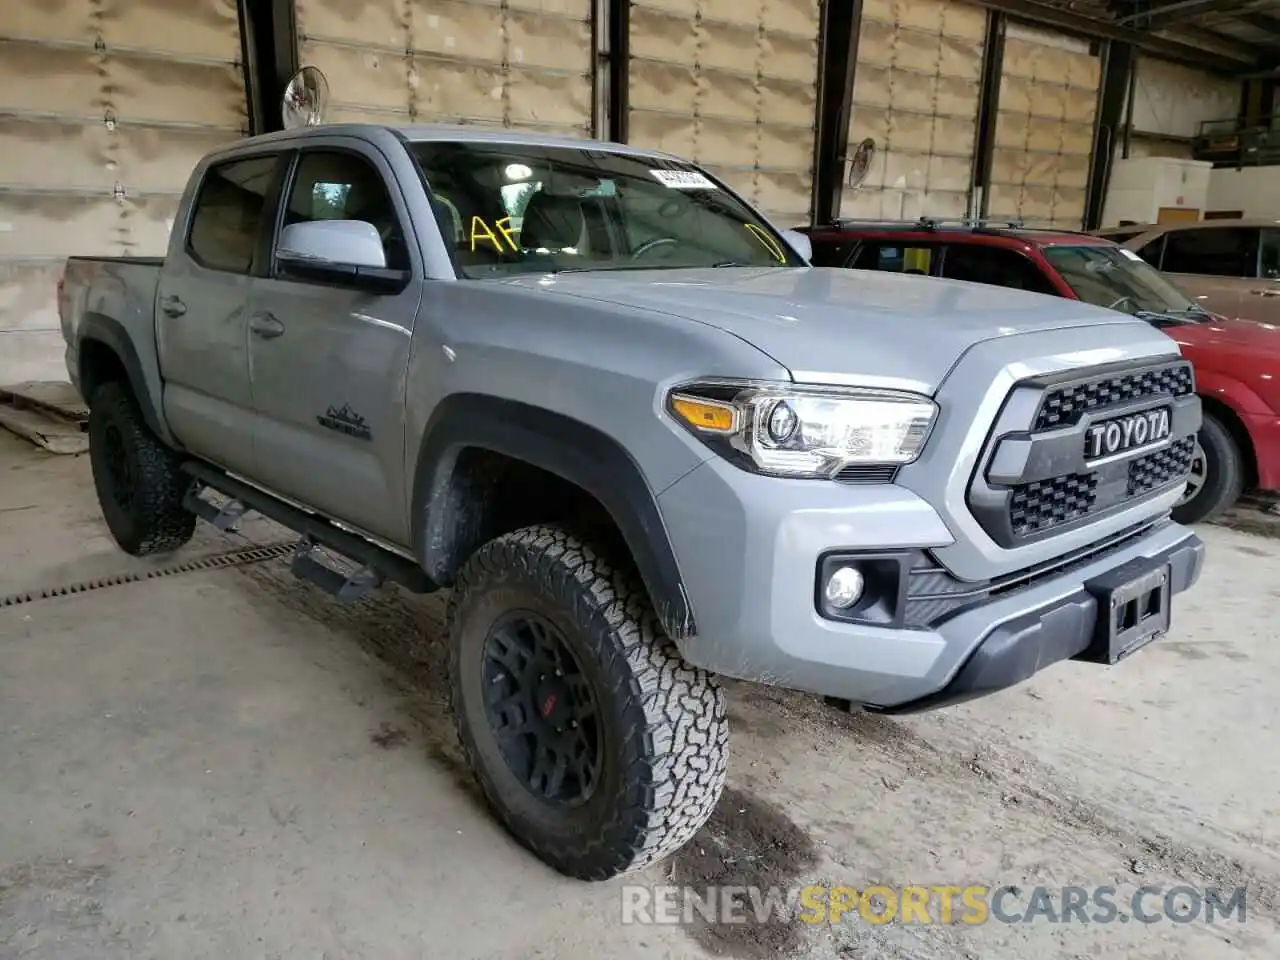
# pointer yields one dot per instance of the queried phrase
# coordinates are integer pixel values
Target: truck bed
(122, 290)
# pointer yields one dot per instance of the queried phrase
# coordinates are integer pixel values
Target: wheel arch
(106, 352)
(453, 490)
(1225, 414)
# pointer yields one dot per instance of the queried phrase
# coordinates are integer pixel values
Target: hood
(1243, 351)
(814, 320)
(1226, 333)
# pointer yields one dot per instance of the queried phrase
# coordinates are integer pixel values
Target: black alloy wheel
(542, 709)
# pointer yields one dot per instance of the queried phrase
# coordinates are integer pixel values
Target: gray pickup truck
(606, 403)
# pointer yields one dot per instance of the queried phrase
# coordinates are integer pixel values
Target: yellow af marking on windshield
(766, 241)
(482, 231)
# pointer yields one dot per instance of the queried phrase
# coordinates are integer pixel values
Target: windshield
(510, 208)
(1119, 279)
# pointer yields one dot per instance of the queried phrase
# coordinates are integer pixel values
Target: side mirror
(799, 243)
(343, 252)
(353, 243)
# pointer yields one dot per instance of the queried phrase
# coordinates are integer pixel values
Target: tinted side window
(1215, 252)
(333, 185)
(1270, 260)
(227, 215)
(1153, 251)
(895, 257)
(995, 266)
(831, 253)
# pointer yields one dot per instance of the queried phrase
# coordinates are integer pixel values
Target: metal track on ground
(232, 558)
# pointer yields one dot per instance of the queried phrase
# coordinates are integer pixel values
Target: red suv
(1237, 362)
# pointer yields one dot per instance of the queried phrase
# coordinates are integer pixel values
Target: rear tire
(138, 479)
(1217, 474)
(551, 645)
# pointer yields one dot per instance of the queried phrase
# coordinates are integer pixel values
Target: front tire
(138, 479)
(597, 747)
(1217, 474)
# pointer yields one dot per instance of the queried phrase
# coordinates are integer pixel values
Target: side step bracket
(310, 565)
(225, 518)
(374, 564)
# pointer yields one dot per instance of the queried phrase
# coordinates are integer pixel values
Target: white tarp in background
(733, 86)
(521, 63)
(105, 105)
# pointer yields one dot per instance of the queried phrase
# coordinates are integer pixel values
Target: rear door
(329, 361)
(201, 318)
(1218, 266)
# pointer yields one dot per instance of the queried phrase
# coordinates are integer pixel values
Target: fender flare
(97, 327)
(574, 451)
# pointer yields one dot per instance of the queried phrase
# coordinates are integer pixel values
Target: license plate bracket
(1134, 607)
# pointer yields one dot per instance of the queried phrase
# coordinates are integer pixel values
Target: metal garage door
(518, 63)
(915, 94)
(104, 109)
(733, 86)
(1044, 130)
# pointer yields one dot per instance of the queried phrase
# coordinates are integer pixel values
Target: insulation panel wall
(514, 63)
(105, 106)
(732, 86)
(915, 94)
(1044, 129)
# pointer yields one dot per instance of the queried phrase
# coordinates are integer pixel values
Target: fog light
(844, 588)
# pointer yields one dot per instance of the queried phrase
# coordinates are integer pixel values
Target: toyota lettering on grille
(1127, 434)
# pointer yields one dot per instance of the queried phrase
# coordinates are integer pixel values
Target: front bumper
(749, 549)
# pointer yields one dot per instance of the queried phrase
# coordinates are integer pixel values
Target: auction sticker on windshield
(1130, 254)
(682, 179)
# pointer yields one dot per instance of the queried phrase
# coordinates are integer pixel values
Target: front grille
(1019, 510)
(1156, 469)
(1063, 406)
(1048, 503)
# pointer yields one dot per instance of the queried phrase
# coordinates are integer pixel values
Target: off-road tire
(1224, 474)
(151, 518)
(664, 729)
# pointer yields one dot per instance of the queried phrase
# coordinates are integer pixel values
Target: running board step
(310, 565)
(375, 563)
(225, 518)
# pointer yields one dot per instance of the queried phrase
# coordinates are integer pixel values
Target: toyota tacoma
(643, 443)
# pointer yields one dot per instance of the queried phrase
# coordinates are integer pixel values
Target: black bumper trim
(1016, 650)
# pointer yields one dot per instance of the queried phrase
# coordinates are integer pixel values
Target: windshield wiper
(1171, 316)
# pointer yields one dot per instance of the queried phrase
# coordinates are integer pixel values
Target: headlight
(804, 431)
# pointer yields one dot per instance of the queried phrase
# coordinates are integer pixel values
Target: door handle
(1265, 293)
(266, 326)
(173, 307)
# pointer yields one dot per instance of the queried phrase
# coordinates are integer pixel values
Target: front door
(201, 312)
(328, 363)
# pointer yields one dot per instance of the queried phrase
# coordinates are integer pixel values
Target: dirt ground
(221, 762)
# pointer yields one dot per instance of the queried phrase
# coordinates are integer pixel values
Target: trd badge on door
(345, 420)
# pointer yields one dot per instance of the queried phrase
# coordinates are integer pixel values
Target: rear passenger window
(1212, 251)
(227, 217)
(894, 258)
(828, 252)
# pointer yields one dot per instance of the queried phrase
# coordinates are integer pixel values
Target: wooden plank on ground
(49, 414)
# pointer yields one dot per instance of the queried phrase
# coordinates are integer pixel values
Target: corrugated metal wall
(105, 105)
(1044, 130)
(516, 63)
(915, 94)
(733, 86)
